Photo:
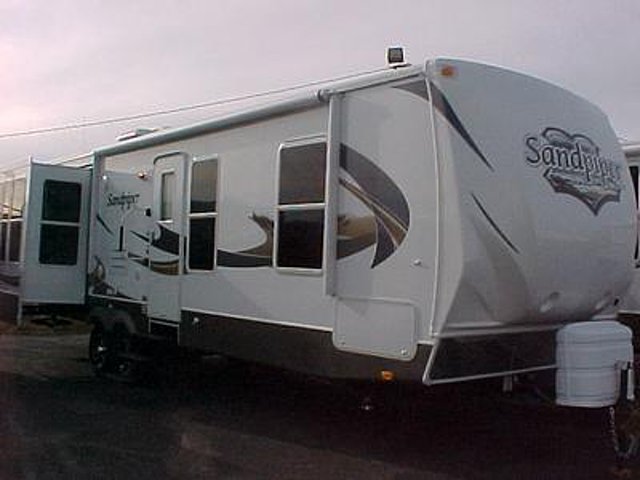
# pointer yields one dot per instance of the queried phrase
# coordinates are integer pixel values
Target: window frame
(51, 223)
(5, 185)
(202, 215)
(18, 196)
(634, 171)
(163, 174)
(311, 206)
(77, 225)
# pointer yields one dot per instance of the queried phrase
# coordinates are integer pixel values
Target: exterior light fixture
(395, 57)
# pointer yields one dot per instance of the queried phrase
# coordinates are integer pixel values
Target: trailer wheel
(124, 365)
(99, 350)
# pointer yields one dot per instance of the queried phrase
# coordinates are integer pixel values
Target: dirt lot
(215, 421)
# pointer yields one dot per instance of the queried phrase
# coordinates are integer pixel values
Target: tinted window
(300, 238)
(204, 177)
(634, 176)
(201, 241)
(17, 205)
(14, 241)
(202, 214)
(58, 244)
(6, 202)
(302, 172)
(61, 201)
(167, 192)
(3, 239)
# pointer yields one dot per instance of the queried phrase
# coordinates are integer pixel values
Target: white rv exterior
(27, 278)
(439, 222)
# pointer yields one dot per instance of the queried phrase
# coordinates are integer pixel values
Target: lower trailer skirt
(471, 358)
(305, 350)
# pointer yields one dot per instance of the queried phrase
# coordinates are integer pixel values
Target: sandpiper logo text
(572, 164)
(123, 200)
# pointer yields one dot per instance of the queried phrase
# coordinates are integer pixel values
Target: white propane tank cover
(590, 356)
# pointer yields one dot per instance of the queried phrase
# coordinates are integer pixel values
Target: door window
(167, 195)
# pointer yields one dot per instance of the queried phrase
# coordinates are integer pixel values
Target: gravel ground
(214, 420)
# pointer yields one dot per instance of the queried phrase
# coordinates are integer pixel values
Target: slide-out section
(55, 245)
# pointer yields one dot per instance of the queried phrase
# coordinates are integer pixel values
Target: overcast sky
(69, 61)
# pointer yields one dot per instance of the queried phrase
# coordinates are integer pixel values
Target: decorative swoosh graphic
(389, 230)
(418, 88)
(355, 234)
(168, 241)
(386, 227)
(494, 225)
(139, 259)
(165, 268)
(103, 224)
(440, 102)
(258, 256)
(375, 189)
(142, 237)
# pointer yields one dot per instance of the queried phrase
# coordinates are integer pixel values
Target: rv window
(3, 240)
(302, 172)
(61, 201)
(300, 235)
(301, 205)
(17, 206)
(15, 211)
(201, 241)
(15, 233)
(202, 214)
(634, 176)
(6, 202)
(58, 244)
(204, 177)
(3, 225)
(167, 193)
(60, 224)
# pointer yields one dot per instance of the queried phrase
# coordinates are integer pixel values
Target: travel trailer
(630, 304)
(434, 223)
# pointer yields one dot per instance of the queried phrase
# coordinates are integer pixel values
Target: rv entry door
(166, 251)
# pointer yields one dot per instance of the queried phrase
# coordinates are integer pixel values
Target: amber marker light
(387, 375)
(448, 71)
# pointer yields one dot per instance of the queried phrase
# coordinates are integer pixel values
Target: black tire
(100, 351)
(110, 354)
(123, 367)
